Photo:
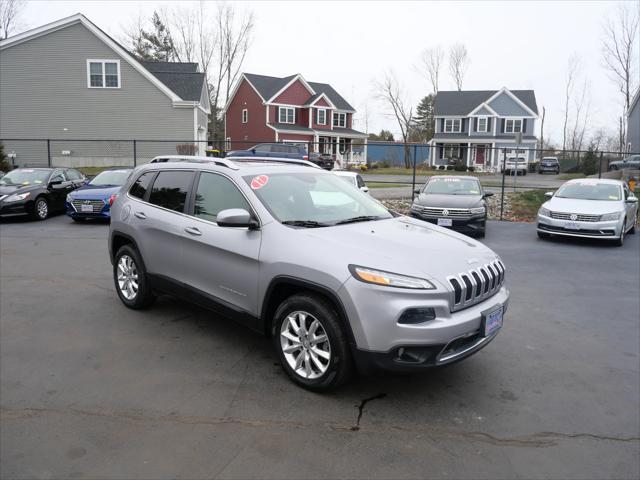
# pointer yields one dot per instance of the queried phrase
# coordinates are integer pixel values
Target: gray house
(70, 82)
(633, 125)
(476, 126)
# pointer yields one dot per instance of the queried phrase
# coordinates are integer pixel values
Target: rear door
(222, 262)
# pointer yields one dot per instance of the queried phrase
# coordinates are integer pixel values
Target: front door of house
(480, 151)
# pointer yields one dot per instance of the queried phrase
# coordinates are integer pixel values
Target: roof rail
(294, 161)
(195, 159)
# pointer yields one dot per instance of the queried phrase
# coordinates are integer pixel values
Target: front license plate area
(86, 208)
(445, 222)
(572, 226)
(492, 322)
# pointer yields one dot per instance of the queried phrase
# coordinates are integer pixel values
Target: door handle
(140, 215)
(193, 231)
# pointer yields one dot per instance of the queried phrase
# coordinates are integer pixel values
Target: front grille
(476, 285)
(443, 212)
(579, 217)
(97, 205)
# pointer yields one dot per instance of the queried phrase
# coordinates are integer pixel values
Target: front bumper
(609, 229)
(470, 225)
(384, 343)
(22, 207)
(71, 211)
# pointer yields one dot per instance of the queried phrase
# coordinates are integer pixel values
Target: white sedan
(353, 178)
(591, 208)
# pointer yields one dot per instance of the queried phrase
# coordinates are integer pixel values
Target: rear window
(141, 185)
(170, 190)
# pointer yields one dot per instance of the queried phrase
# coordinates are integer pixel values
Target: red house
(290, 109)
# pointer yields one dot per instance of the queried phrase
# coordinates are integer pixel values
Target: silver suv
(333, 277)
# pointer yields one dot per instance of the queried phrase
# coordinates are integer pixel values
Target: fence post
(48, 152)
(504, 164)
(413, 183)
(600, 167)
(135, 154)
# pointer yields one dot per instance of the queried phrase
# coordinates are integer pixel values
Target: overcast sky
(520, 45)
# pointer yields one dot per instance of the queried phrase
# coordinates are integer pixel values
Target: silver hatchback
(334, 278)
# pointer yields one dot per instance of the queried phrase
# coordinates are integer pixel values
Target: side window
(262, 148)
(626, 191)
(58, 176)
(141, 185)
(359, 181)
(214, 194)
(74, 175)
(170, 189)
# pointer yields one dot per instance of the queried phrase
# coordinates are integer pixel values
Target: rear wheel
(40, 209)
(130, 279)
(310, 343)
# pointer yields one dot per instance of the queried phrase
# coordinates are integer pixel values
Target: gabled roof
(179, 81)
(465, 101)
(267, 87)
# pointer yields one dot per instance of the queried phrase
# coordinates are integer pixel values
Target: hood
(95, 191)
(401, 245)
(449, 201)
(10, 189)
(589, 207)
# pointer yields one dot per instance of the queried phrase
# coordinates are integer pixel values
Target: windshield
(111, 177)
(452, 186)
(23, 176)
(590, 191)
(314, 199)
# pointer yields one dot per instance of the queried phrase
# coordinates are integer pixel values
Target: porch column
(468, 154)
(365, 151)
(338, 154)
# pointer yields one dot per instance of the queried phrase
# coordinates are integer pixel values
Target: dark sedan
(456, 202)
(37, 192)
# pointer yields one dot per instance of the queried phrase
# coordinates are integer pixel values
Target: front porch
(479, 155)
(351, 150)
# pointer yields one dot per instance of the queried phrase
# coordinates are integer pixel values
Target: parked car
(94, 199)
(286, 150)
(589, 208)
(630, 162)
(353, 178)
(515, 166)
(549, 164)
(2, 174)
(37, 191)
(296, 253)
(456, 202)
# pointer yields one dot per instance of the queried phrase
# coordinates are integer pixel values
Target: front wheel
(312, 348)
(130, 278)
(40, 209)
(620, 239)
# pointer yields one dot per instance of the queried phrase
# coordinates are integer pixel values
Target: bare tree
(10, 11)
(432, 59)
(618, 45)
(389, 92)
(582, 105)
(236, 38)
(183, 23)
(573, 68)
(542, 133)
(458, 63)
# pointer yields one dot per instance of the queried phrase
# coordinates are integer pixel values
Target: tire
(620, 239)
(524, 172)
(40, 209)
(128, 263)
(318, 372)
(558, 172)
(481, 233)
(543, 235)
(633, 230)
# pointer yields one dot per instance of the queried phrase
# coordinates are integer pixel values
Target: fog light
(413, 316)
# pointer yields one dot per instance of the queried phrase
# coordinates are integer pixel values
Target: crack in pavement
(536, 440)
(356, 427)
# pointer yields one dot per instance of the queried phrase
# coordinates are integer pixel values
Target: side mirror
(548, 194)
(55, 182)
(365, 189)
(253, 150)
(417, 190)
(632, 199)
(236, 217)
(487, 194)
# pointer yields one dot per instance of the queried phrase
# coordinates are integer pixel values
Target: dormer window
(512, 125)
(286, 115)
(103, 73)
(482, 124)
(452, 125)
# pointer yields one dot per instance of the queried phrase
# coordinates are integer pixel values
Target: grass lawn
(92, 171)
(419, 171)
(525, 205)
(388, 185)
(571, 176)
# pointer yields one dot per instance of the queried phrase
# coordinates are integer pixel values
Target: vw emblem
(445, 212)
(573, 217)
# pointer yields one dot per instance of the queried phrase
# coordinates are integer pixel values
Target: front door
(480, 154)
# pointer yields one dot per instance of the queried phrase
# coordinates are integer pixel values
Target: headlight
(544, 212)
(478, 210)
(388, 279)
(69, 199)
(610, 216)
(16, 197)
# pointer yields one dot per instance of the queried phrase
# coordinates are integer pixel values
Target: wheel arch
(119, 239)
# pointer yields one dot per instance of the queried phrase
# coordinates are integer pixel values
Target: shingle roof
(463, 102)
(291, 126)
(183, 79)
(267, 87)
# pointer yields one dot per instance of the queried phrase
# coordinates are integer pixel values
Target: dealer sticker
(259, 182)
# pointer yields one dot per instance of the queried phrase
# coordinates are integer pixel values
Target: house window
(482, 124)
(513, 125)
(286, 115)
(452, 151)
(452, 125)
(321, 116)
(245, 115)
(103, 73)
(340, 120)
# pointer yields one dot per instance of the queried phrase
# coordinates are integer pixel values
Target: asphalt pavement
(90, 389)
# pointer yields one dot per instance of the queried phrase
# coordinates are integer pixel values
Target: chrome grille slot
(469, 287)
(476, 285)
(439, 212)
(579, 217)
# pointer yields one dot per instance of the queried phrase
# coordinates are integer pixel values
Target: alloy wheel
(127, 277)
(42, 209)
(305, 345)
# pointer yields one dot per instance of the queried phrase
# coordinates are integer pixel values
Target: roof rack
(195, 159)
(294, 161)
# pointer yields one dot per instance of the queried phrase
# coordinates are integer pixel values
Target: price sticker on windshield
(259, 182)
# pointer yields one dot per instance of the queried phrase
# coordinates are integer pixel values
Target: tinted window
(140, 187)
(216, 193)
(262, 148)
(58, 176)
(74, 175)
(360, 181)
(170, 190)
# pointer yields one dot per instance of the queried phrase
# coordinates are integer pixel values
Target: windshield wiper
(304, 223)
(361, 218)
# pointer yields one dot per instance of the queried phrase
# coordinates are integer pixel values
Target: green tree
(383, 136)
(590, 161)
(424, 123)
(4, 163)
(156, 44)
